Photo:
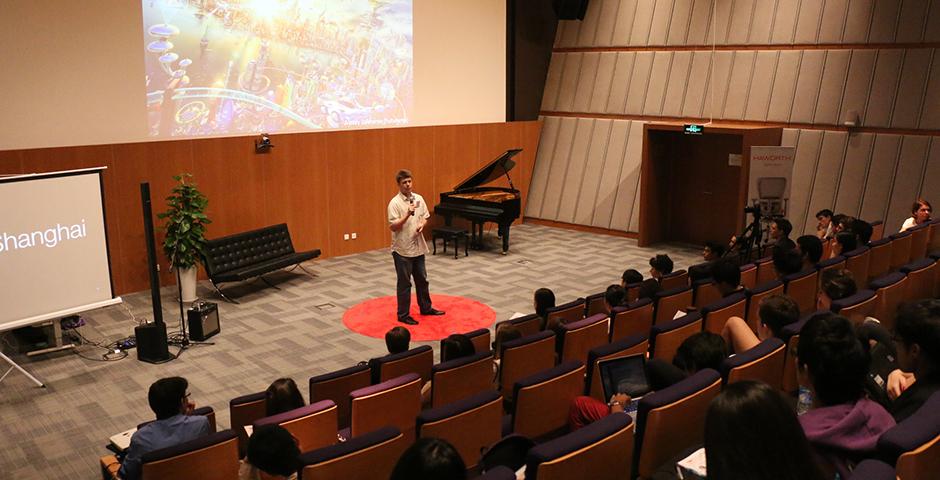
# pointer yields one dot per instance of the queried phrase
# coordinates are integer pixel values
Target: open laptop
(120, 441)
(625, 375)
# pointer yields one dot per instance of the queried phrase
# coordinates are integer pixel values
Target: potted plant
(185, 226)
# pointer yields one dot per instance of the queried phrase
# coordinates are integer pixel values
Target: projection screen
(53, 247)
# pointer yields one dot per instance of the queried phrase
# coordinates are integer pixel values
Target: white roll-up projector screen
(53, 247)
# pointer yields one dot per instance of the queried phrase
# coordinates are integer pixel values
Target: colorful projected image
(249, 66)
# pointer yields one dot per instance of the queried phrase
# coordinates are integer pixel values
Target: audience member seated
(917, 337)
(824, 224)
(649, 288)
(751, 432)
(505, 333)
(169, 400)
(811, 250)
(841, 222)
(775, 312)
(587, 410)
(834, 285)
(660, 265)
(845, 241)
(727, 277)
(456, 346)
(282, 396)
(843, 426)
(430, 459)
(542, 301)
(786, 261)
(699, 351)
(710, 254)
(397, 340)
(920, 214)
(780, 229)
(630, 276)
(863, 232)
(614, 296)
(272, 450)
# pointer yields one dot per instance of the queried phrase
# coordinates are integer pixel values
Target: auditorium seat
(212, 457)
(891, 290)
(528, 325)
(568, 312)
(602, 450)
(914, 444)
(879, 258)
(313, 426)
(765, 270)
(636, 318)
(933, 238)
(633, 291)
(498, 473)
(920, 238)
(877, 230)
(679, 278)
(668, 302)
(872, 469)
(827, 248)
(461, 378)
(417, 360)
(791, 335)
(541, 402)
(666, 337)
(837, 263)
(856, 307)
(704, 292)
(634, 345)
(672, 420)
(900, 250)
(856, 262)
(523, 357)
(471, 424)
(594, 304)
(716, 314)
(368, 456)
(763, 362)
(337, 385)
(802, 287)
(922, 275)
(393, 402)
(755, 296)
(244, 410)
(479, 337)
(580, 336)
(749, 275)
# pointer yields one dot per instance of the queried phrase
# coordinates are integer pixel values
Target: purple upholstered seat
(498, 473)
(763, 362)
(541, 401)
(313, 426)
(636, 344)
(852, 300)
(336, 386)
(872, 469)
(244, 410)
(914, 431)
(211, 457)
(666, 337)
(634, 318)
(462, 377)
(417, 360)
(577, 337)
(523, 357)
(567, 312)
(602, 449)
(470, 425)
(716, 314)
(829, 262)
(392, 402)
(856, 307)
(371, 455)
(922, 275)
(886, 280)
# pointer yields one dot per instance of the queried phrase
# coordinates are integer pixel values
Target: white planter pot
(187, 281)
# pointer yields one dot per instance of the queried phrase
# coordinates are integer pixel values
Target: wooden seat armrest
(109, 467)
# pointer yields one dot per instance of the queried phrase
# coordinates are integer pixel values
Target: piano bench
(451, 233)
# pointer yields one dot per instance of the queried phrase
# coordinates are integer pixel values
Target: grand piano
(480, 204)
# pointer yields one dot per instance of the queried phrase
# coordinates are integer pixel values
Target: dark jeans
(405, 268)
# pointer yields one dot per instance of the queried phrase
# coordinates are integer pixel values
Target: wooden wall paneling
(553, 81)
(603, 82)
(623, 71)
(612, 167)
(570, 182)
(409, 149)
(932, 27)
(699, 22)
(11, 162)
(831, 87)
(718, 25)
(883, 87)
(785, 18)
(456, 154)
(826, 182)
(230, 174)
(569, 37)
(623, 28)
(832, 23)
(559, 33)
(630, 182)
(854, 169)
(790, 137)
(642, 22)
(858, 82)
(716, 87)
(588, 30)
(762, 81)
(880, 177)
(858, 21)
(931, 183)
(907, 178)
(494, 140)
(659, 26)
(546, 153)
(294, 173)
(808, 148)
(695, 91)
(911, 21)
(761, 23)
(739, 81)
(784, 85)
(606, 22)
(807, 86)
(659, 78)
(679, 22)
(556, 172)
(678, 81)
(358, 195)
(586, 79)
(134, 163)
(884, 20)
(914, 71)
(930, 116)
(639, 82)
(739, 27)
(808, 22)
(569, 81)
(590, 180)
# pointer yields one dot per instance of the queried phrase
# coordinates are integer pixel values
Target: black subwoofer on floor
(203, 319)
(151, 343)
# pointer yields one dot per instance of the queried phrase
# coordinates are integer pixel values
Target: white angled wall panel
(854, 173)
(880, 177)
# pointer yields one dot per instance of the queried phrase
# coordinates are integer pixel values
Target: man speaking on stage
(407, 216)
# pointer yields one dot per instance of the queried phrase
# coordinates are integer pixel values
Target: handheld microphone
(411, 201)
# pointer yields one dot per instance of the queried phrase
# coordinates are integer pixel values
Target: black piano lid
(491, 171)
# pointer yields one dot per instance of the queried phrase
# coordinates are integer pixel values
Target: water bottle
(804, 402)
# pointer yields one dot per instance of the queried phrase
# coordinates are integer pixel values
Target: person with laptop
(175, 424)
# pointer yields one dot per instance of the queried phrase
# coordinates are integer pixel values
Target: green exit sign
(693, 129)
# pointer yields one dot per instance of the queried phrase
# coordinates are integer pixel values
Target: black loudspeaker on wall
(203, 321)
(151, 338)
(570, 9)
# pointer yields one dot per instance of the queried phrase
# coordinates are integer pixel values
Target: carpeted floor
(298, 332)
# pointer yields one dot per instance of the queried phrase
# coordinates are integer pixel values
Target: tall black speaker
(151, 338)
(570, 9)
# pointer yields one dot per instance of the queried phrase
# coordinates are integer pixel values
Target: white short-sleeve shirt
(407, 242)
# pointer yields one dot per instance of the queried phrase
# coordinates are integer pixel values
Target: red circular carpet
(377, 316)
